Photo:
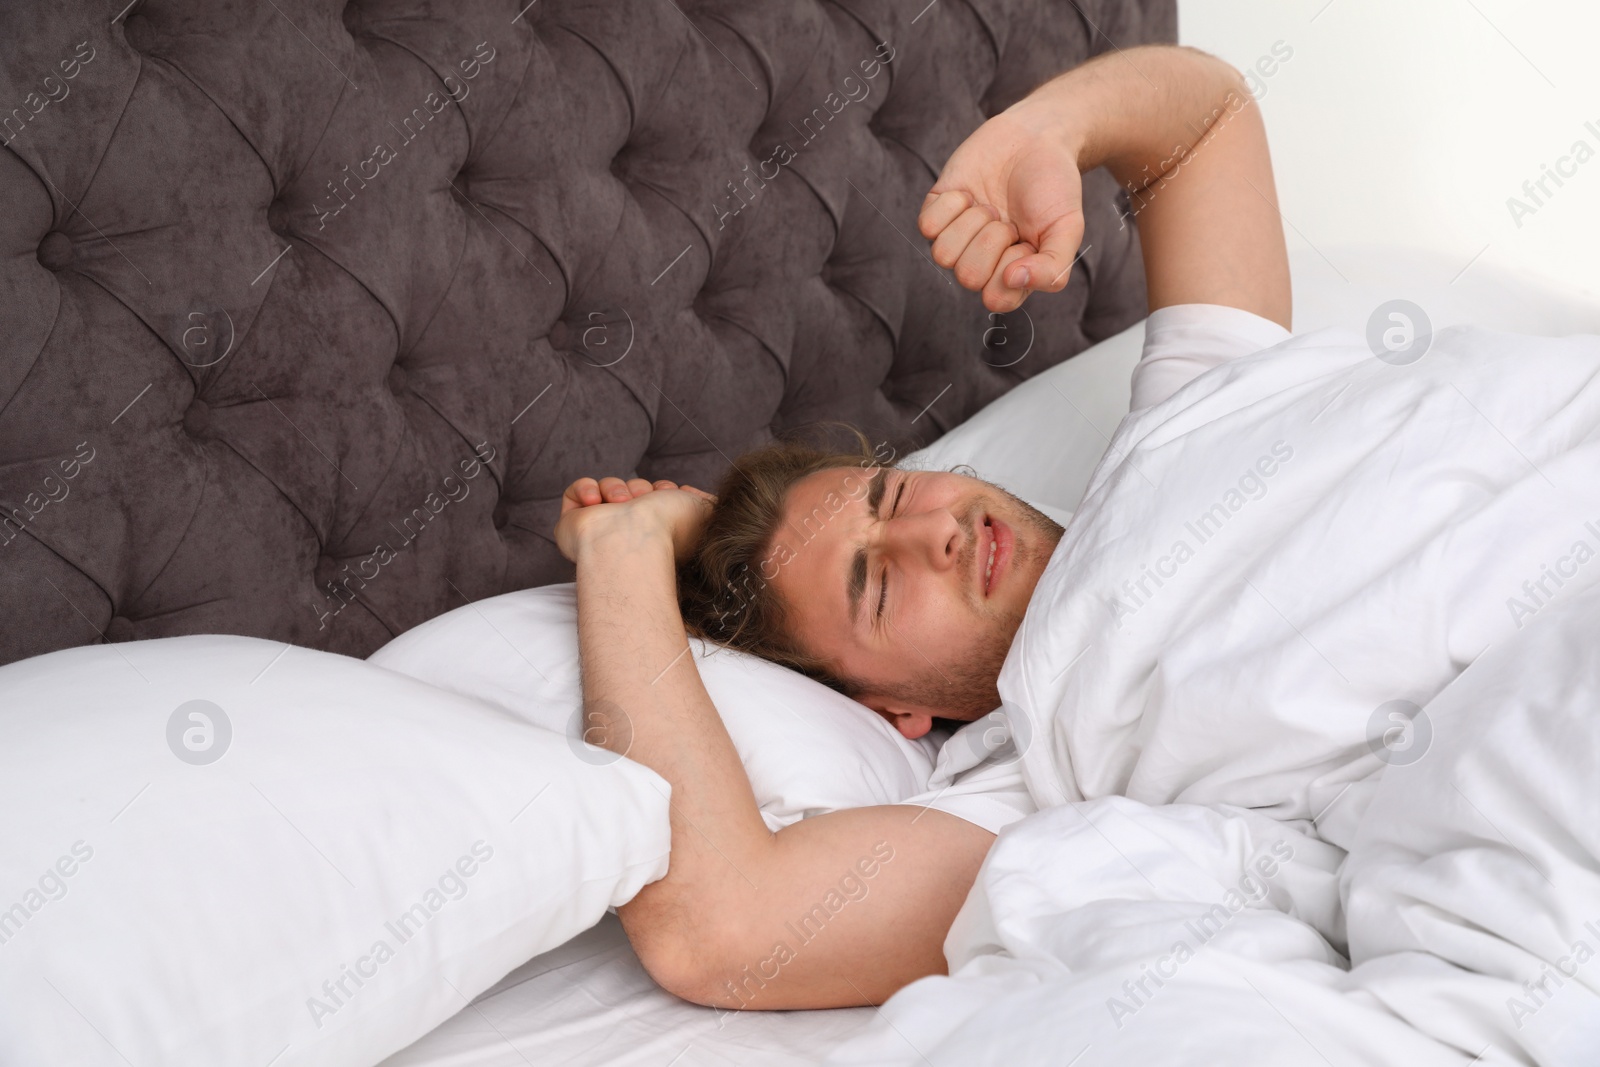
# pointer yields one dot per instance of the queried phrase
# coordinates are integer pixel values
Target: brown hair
(725, 588)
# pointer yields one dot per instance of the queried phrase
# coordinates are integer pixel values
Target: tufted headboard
(312, 310)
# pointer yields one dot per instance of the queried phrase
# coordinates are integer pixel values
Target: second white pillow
(220, 850)
(806, 748)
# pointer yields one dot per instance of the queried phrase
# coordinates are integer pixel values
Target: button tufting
(401, 273)
(137, 31)
(197, 419)
(55, 251)
(278, 217)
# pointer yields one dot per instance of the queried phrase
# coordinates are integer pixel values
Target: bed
(271, 354)
(584, 1001)
(590, 1002)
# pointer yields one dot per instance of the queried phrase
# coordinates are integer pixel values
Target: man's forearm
(1181, 133)
(1136, 112)
(644, 698)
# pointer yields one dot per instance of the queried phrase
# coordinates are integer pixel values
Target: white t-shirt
(978, 773)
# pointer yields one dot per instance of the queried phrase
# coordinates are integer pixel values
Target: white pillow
(806, 748)
(157, 908)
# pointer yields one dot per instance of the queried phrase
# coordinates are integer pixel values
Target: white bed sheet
(590, 1003)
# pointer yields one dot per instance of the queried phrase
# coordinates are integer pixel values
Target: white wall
(1410, 122)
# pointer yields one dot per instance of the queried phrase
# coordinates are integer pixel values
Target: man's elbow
(677, 971)
(689, 970)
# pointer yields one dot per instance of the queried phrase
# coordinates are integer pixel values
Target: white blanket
(1262, 619)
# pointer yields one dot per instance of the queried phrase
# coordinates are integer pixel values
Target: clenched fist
(1007, 211)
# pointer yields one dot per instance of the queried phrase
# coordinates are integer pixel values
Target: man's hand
(626, 513)
(1007, 210)
(1179, 131)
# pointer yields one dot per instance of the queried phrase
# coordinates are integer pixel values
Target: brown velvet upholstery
(312, 310)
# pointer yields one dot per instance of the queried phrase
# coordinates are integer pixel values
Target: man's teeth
(988, 573)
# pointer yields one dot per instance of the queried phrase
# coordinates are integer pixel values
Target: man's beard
(966, 689)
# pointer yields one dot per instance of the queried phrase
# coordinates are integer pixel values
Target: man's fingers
(940, 209)
(977, 263)
(1049, 269)
(1041, 272)
(586, 492)
(1044, 272)
(580, 494)
(998, 296)
(951, 244)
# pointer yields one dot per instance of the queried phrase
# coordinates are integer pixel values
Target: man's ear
(912, 721)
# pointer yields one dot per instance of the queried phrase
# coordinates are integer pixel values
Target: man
(909, 596)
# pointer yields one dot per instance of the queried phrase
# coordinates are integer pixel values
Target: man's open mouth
(994, 551)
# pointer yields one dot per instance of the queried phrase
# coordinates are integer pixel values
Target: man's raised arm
(1177, 128)
(839, 909)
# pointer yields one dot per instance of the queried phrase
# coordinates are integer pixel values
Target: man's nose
(930, 538)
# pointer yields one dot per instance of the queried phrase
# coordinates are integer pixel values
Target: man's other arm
(1178, 129)
(838, 909)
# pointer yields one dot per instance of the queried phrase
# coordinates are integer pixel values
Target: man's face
(887, 576)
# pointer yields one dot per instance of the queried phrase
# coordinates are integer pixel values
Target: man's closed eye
(883, 578)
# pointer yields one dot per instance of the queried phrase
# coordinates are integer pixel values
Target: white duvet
(1313, 603)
